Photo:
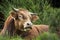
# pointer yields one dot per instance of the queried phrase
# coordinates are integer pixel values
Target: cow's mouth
(27, 28)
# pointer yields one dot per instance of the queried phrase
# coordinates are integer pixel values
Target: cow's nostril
(28, 24)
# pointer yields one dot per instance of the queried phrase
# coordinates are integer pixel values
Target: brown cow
(19, 22)
(19, 19)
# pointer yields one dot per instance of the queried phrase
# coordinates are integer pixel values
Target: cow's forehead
(24, 12)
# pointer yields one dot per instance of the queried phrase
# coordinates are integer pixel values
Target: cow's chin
(28, 29)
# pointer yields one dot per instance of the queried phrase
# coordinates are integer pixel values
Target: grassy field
(44, 36)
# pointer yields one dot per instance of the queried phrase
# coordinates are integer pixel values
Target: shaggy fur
(9, 24)
(34, 32)
(28, 35)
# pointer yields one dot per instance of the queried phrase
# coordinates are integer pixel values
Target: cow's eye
(20, 16)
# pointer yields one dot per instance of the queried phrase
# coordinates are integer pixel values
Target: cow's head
(23, 19)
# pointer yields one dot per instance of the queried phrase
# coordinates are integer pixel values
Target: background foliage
(47, 14)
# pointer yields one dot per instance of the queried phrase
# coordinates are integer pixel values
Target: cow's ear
(34, 17)
(13, 14)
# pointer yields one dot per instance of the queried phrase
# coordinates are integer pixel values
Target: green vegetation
(48, 36)
(44, 36)
(12, 38)
(47, 14)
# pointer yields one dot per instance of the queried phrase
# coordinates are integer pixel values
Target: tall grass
(48, 36)
(44, 36)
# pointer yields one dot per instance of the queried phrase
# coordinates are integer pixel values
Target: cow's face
(23, 19)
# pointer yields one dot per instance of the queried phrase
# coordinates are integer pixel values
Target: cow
(20, 22)
(18, 19)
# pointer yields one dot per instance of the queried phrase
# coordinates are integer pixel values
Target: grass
(48, 36)
(43, 36)
(12, 38)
